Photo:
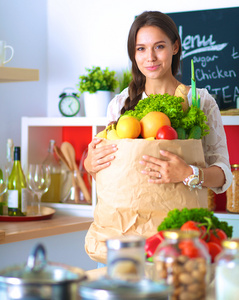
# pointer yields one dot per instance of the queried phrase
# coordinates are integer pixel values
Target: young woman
(154, 48)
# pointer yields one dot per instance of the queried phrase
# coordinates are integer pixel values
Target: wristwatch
(196, 179)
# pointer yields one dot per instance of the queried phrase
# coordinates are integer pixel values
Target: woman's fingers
(168, 169)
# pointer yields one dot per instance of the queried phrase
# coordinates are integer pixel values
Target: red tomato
(192, 225)
(217, 236)
(166, 132)
(189, 249)
(214, 250)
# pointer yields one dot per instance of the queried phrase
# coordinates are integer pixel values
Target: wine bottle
(54, 192)
(9, 158)
(17, 188)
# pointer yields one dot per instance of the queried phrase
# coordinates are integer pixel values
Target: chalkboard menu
(211, 39)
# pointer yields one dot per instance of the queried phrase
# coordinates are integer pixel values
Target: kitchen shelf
(18, 74)
(35, 135)
(37, 131)
(230, 120)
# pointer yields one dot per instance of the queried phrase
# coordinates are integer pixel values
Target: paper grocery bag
(128, 204)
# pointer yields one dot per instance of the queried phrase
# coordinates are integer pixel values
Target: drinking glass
(38, 180)
(3, 190)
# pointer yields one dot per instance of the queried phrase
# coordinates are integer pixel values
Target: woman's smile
(152, 68)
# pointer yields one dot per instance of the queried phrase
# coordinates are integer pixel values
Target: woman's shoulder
(116, 105)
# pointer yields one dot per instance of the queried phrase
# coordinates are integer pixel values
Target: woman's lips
(152, 68)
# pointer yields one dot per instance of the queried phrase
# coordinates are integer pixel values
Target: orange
(152, 122)
(128, 127)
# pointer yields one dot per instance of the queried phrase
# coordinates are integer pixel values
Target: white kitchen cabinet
(35, 136)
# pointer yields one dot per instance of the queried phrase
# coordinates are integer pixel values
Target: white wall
(23, 24)
(97, 35)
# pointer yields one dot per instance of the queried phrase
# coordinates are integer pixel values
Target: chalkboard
(211, 39)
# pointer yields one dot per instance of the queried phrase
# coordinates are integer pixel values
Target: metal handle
(37, 259)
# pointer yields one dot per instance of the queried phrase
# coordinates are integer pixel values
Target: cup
(3, 47)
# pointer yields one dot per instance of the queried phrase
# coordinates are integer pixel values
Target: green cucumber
(195, 133)
(181, 133)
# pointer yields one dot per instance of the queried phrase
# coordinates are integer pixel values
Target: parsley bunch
(176, 218)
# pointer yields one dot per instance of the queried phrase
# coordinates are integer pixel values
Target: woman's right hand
(99, 158)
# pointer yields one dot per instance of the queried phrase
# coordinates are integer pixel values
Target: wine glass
(39, 179)
(3, 190)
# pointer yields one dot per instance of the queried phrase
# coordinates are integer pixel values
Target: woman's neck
(161, 86)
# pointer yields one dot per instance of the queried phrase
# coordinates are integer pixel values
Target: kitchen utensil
(82, 168)
(69, 153)
(39, 279)
(62, 157)
(111, 289)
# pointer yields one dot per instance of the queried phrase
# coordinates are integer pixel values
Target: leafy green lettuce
(171, 106)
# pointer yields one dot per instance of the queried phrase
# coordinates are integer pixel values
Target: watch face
(194, 181)
(69, 106)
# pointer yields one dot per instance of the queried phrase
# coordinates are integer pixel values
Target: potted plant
(97, 86)
(124, 79)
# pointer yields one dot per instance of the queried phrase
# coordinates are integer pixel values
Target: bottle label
(24, 200)
(13, 198)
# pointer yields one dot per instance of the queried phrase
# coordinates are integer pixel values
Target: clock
(69, 104)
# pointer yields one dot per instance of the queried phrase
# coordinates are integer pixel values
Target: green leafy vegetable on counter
(176, 218)
(171, 106)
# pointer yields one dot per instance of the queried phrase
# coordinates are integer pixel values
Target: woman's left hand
(169, 169)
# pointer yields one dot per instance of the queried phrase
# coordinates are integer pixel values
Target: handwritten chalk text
(216, 74)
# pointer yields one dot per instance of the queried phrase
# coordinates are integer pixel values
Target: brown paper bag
(128, 204)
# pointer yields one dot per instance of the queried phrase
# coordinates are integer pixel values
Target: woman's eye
(140, 49)
(159, 46)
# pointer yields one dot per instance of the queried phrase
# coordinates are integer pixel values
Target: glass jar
(227, 271)
(126, 258)
(183, 262)
(233, 191)
(211, 200)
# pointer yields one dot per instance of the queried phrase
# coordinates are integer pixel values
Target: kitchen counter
(60, 223)
(63, 237)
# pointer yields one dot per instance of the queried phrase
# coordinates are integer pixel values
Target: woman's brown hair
(165, 23)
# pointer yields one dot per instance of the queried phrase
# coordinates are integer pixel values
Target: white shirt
(214, 144)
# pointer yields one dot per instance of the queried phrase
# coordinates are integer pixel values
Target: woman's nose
(151, 56)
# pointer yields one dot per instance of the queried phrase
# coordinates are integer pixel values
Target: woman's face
(154, 52)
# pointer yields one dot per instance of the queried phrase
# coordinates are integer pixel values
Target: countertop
(59, 223)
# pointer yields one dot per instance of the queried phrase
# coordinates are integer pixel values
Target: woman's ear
(175, 47)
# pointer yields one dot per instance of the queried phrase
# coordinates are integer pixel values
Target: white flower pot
(96, 104)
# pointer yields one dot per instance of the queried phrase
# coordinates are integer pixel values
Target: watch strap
(197, 174)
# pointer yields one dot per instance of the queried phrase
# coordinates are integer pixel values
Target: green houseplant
(97, 80)
(97, 86)
(124, 79)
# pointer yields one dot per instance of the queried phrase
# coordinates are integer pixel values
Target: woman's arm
(98, 158)
(173, 169)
